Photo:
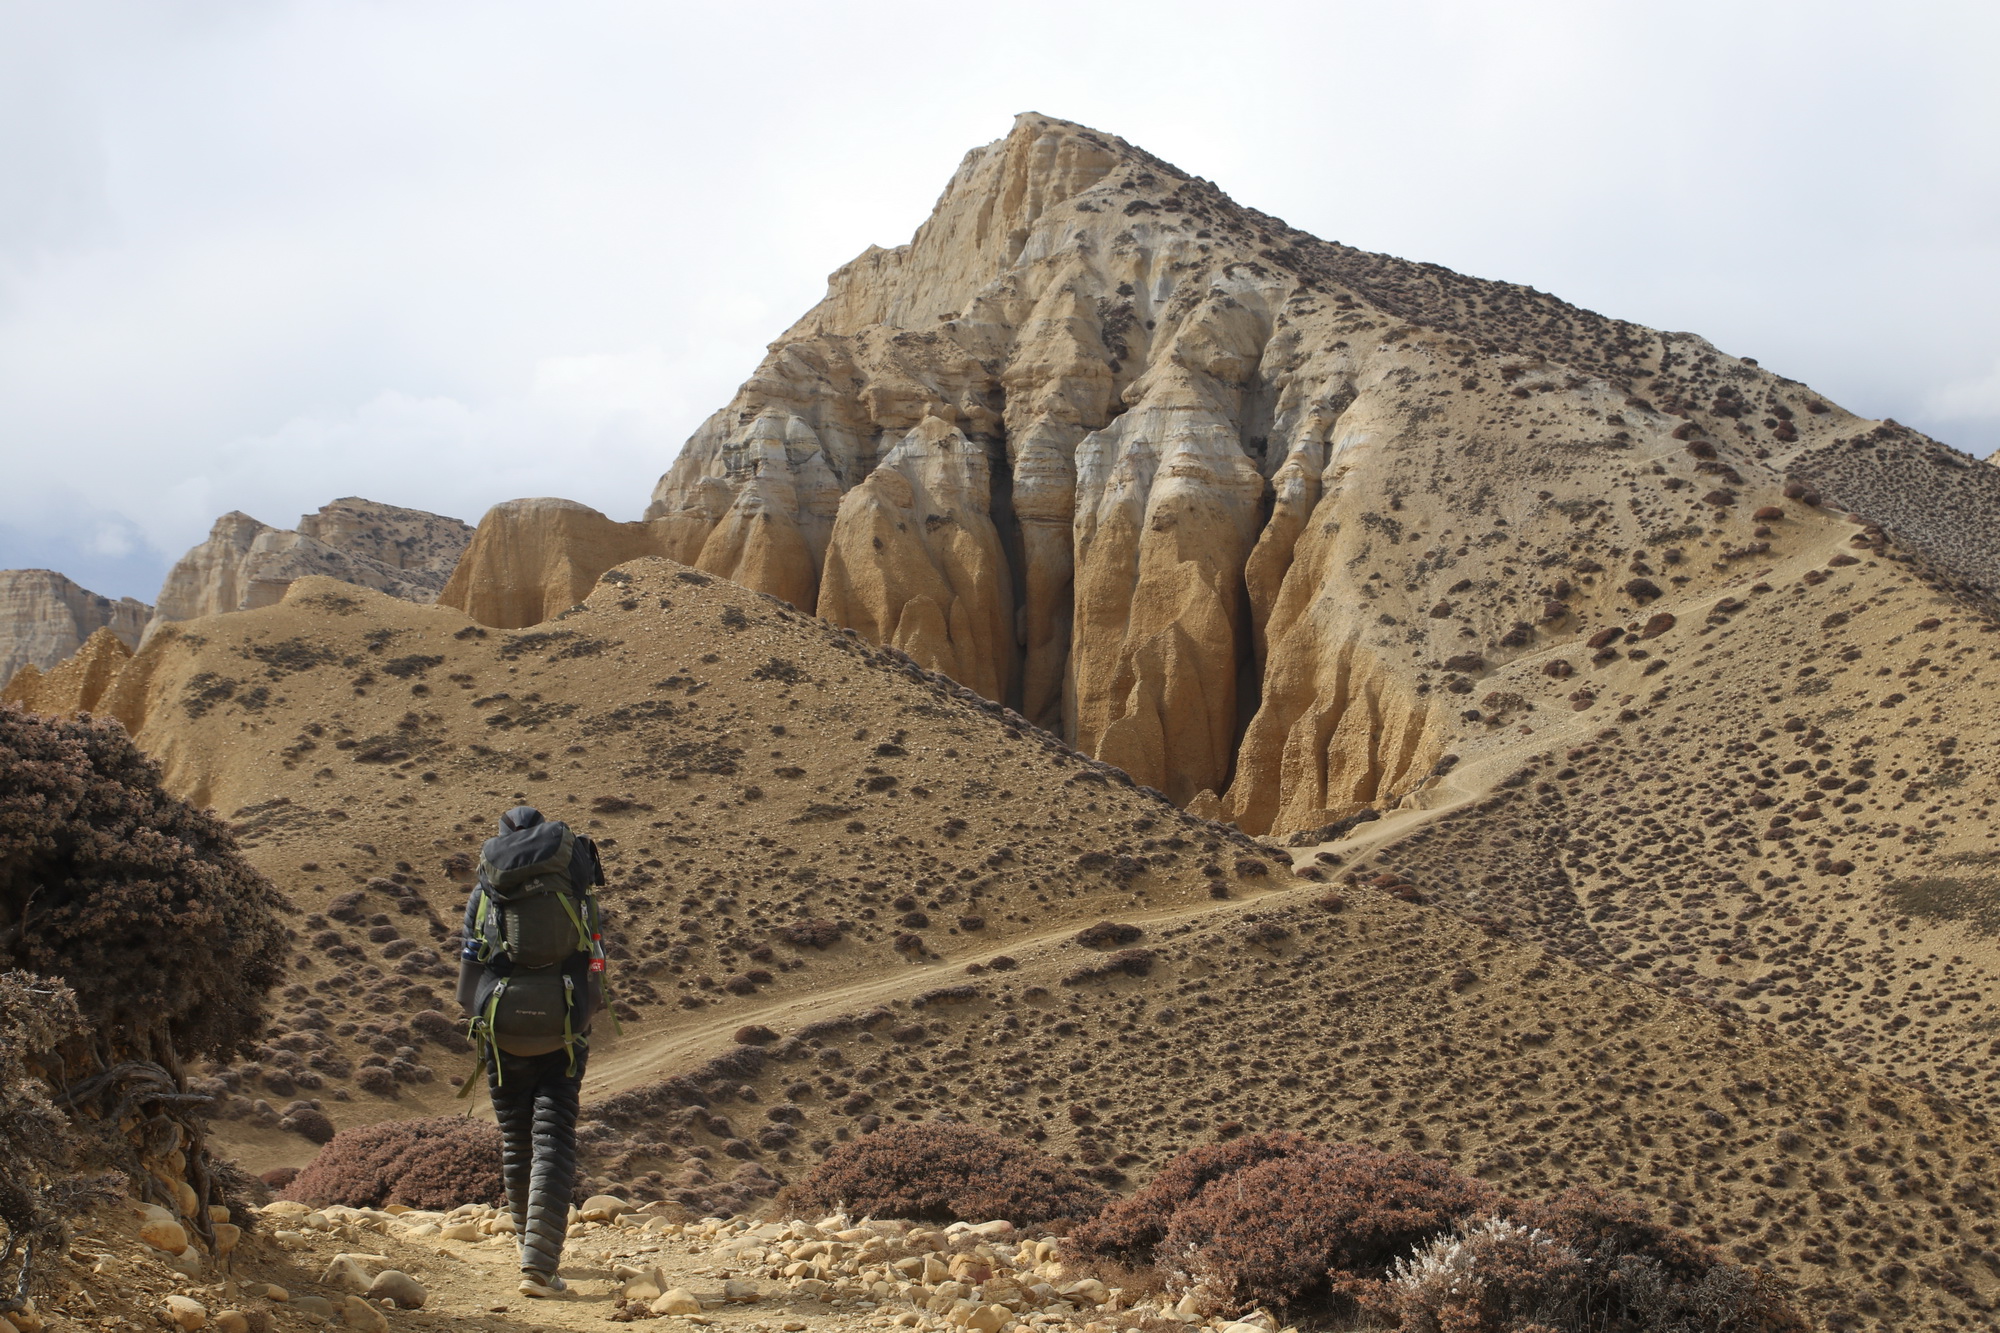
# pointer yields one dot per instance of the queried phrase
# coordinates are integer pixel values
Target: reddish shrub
(1599, 1225)
(1643, 590)
(309, 1123)
(1658, 625)
(1318, 1228)
(437, 1163)
(937, 1172)
(1130, 1229)
(376, 1079)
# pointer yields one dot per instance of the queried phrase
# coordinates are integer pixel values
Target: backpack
(539, 936)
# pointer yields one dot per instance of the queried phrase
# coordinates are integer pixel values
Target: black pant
(535, 1100)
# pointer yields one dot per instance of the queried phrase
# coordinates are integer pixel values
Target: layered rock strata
(1239, 510)
(244, 563)
(44, 617)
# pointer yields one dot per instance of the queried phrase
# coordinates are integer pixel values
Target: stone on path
(357, 1313)
(400, 1287)
(677, 1301)
(186, 1313)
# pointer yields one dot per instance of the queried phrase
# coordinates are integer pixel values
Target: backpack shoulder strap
(488, 926)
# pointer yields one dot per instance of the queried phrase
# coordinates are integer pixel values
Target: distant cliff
(406, 553)
(44, 617)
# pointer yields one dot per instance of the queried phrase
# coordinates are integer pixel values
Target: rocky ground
(374, 1270)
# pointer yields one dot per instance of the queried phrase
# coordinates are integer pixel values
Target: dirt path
(659, 1051)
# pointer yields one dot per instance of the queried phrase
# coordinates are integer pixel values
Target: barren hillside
(763, 783)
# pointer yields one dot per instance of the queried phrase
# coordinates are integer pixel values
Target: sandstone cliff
(531, 559)
(44, 617)
(406, 553)
(77, 684)
(1244, 512)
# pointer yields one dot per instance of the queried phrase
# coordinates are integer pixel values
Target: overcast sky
(257, 254)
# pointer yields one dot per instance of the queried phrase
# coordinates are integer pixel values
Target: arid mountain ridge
(1219, 502)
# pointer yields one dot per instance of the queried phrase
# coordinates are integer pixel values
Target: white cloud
(1974, 398)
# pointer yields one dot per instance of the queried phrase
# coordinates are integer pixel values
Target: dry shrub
(940, 1172)
(436, 1163)
(1108, 935)
(1492, 1276)
(1316, 1228)
(1124, 963)
(1131, 1229)
(308, 1122)
(815, 934)
(136, 899)
(38, 1187)
(1652, 1274)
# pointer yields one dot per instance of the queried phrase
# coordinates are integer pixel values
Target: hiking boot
(541, 1285)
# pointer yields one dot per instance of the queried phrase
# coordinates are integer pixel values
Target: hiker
(531, 977)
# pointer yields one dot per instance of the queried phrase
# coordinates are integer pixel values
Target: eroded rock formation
(77, 684)
(243, 564)
(45, 617)
(1242, 511)
(531, 559)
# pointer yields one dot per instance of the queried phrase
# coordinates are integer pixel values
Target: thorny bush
(436, 1163)
(1652, 1275)
(1293, 1223)
(1492, 1276)
(1131, 1229)
(940, 1172)
(136, 899)
(1315, 1228)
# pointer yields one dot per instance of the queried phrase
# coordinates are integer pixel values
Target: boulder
(357, 1312)
(353, 1272)
(395, 1285)
(167, 1236)
(603, 1208)
(186, 1313)
(677, 1300)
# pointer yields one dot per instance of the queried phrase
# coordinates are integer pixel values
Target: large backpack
(538, 933)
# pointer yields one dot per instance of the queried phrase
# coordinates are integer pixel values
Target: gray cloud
(444, 253)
